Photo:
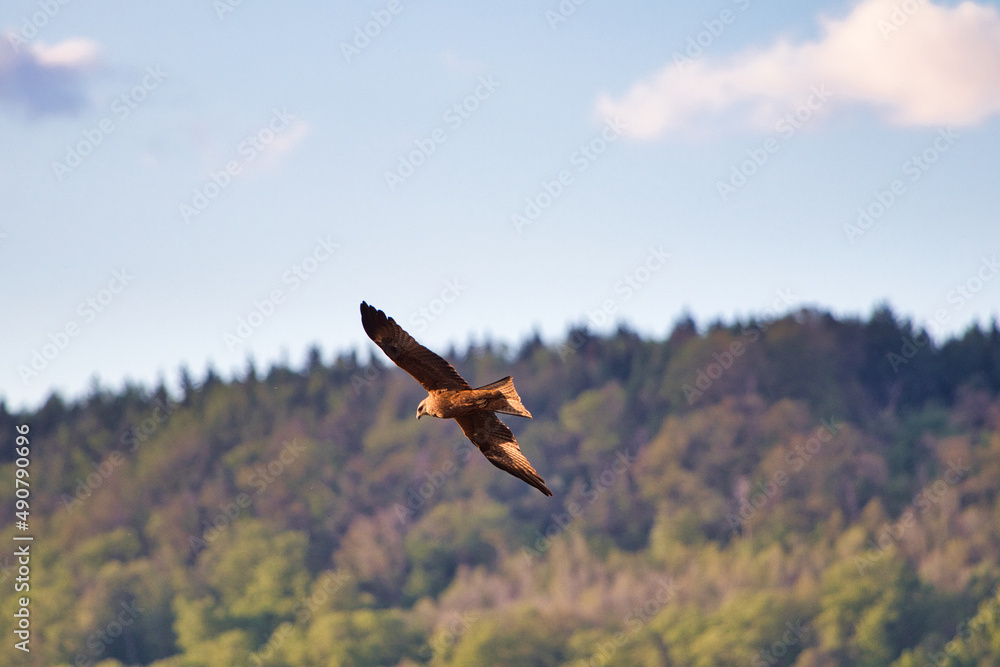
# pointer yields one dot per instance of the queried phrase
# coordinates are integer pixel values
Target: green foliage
(248, 579)
(467, 533)
(363, 637)
(782, 492)
(594, 418)
(869, 617)
(512, 640)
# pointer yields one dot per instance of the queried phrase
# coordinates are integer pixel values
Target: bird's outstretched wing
(497, 443)
(427, 368)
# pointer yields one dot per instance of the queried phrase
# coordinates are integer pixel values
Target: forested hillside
(806, 491)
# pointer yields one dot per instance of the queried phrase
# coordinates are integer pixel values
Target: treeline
(809, 490)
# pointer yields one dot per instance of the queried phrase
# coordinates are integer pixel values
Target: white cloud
(934, 65)
(46, 79)
(77, 53)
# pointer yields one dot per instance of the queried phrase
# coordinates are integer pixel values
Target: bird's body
(449, 396)
(499, 396)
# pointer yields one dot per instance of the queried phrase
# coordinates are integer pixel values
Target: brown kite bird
(449, 396)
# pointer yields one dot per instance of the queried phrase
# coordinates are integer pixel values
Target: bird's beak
(419, 415)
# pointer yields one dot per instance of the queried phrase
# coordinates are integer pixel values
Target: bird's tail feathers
(511, 402)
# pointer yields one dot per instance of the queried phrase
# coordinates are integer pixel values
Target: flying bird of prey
(449, 396)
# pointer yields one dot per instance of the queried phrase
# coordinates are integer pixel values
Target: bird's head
(422, 409)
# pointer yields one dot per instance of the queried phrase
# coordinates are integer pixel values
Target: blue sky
(210, 181)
